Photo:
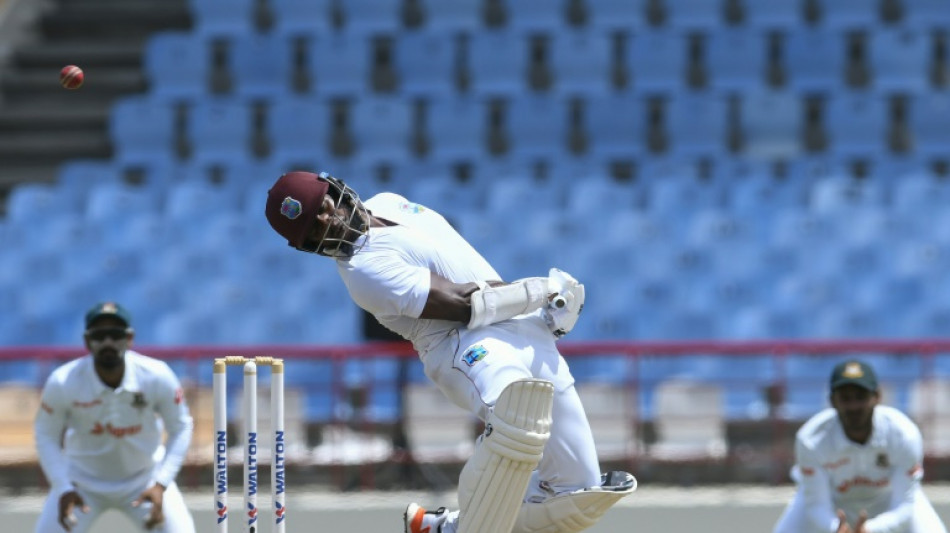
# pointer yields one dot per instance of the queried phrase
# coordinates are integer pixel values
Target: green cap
(854, 373)
(102, 309)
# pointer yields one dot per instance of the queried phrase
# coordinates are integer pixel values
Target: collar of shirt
(877, 438)
(130, 378)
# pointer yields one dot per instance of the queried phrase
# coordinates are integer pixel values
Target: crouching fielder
(488, 345)
(858, 465)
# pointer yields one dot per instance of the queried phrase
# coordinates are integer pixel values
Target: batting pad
(575, 511)
(493, 483)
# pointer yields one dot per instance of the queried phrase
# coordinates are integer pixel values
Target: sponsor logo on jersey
(861, 481)
(86, 405)
(835, 464)
(412, 207)
(291, 208)
(117, 432)
(46, 407)
(882, 460)
(474, 354)
(179, 395)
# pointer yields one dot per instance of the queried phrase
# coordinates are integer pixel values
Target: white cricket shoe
(418, 520)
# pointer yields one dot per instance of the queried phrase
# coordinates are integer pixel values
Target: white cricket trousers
(517, 349)
(177, 517)
(795, 517)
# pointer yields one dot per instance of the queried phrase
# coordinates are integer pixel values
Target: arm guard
(495, 304)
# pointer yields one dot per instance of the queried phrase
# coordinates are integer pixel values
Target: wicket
(249, 408)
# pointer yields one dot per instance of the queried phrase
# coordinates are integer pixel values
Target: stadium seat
(657, 60)
(581, 62)
(456, 16)
(923, 258)
(76, 176)
(261, 66)
(301, 18)
(932, 14)
(603, 192)
(613, 15)
(113, 202)
(763, 196)
(857, 124)
(815, 60)
(507, 196)
(537, 126)
(382, 126)
(697, 125)
(219, 129)
(929, 116)
(615, 126)
(28, 200)
(142, 129)
(773, 14)
(498, 63)
(188, 202)
(184, 328)
(851, 324)
(771, 124)
(299, 128)
(364, 17)
(717, 227)
(457, 127)
(919, 195)
(177, 66)
(692, 15)
(900, 60)
(848, 14)
(223, 18)
(762, 323)
(536, 16)
(833, 195)
(736, 59)
(339, 64)
(676, 195)
(425, 60)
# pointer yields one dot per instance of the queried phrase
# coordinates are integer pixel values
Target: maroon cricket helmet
(293, 203)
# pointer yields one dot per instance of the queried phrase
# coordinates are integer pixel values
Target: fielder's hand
(69, 500)
(859, 527)
(153, 494)
(565, 304)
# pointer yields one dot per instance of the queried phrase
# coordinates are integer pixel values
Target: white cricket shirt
(389, 277)
(880, 476)
(113, 437)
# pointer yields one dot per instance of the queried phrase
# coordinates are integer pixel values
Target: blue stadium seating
(425, 61)
(857, 124)
(537, 126)
(27, 200)
(657, 60)
(616, 126)
(339, 64)
(921, 195)
(219, 129)
(900, 60)
(371, 16)
(926, 14)
(223, 18)
(112, 202)
(142, 129)
(382, 126)
(177, 66)
(301, 18)
(814, 59)
(773, 14)
(76, 176)
(841, 195)
(697, 125)
(261, 66)
(771, 124)
(457, 127)
(929, 116)
(736, 59)
(535, 16)
(614, 15)
(498, 63)
(848, 14)
(693, 15)
(455, 16)
(299, 129)
(581, 62)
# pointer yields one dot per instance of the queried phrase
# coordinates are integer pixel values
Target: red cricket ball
(71, 77)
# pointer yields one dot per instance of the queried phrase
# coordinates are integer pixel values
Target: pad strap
(495, 304)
